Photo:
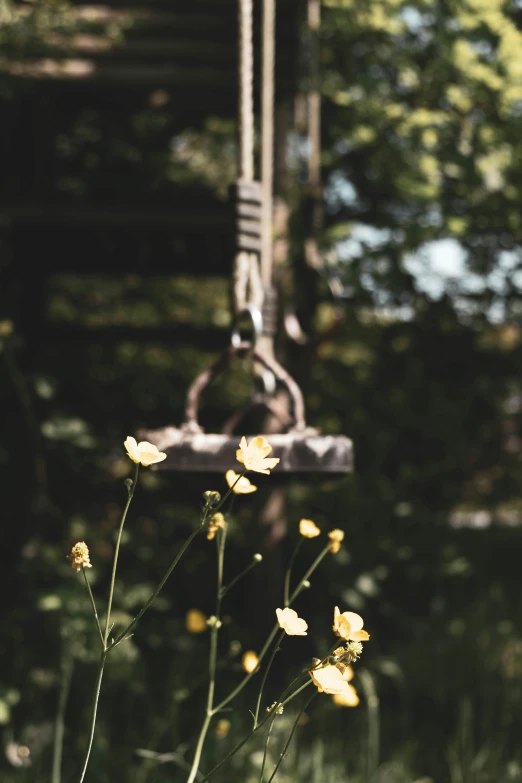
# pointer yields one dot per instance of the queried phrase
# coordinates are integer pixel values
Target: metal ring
(257, 326)
(268, 383)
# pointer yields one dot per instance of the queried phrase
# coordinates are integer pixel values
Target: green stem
(249, 676)
(273, 632)
(289, 572)
(289, 740)
(310, 571)
(266, 748)
(214, 630)
(66, 668)
(84, 573)
(231, 584)
(160, 586)
(252, 732)
(97, 689)
(130, 494)
(219, 505)
(265, 675)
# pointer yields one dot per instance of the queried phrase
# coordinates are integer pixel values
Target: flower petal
(355, 620)
(348, 674)
(151, 459)
(261, 444)
(348, 698)
(359, 636)
(240, 485)
(291, 623)
(344, 629)
(131, 448)
(329, 679)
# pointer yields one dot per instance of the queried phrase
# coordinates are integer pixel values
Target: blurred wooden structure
(124, 55)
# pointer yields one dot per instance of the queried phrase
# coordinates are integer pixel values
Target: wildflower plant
(331, 674)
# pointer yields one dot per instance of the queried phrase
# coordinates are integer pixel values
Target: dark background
(117, 147)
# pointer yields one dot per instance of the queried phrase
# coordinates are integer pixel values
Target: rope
(253, 270)
(312, 254)
(267, 144)
(247, 285)
(246, 95)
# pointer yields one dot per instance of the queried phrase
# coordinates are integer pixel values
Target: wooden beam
(212, 338)
(127, 216)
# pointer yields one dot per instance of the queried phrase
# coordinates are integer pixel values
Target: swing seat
(216, 452)
(301, 449)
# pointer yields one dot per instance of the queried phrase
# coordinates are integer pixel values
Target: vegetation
(414, 350)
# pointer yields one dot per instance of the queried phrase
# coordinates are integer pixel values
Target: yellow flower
(143, 453)
(80, 556)
(254, 455)
(291, 623)
(195, 621)
(308, 529)
(250, 661)
(335, 536)
(222, 728)
(239, 486)
(215, 522)
(348, 626)
(329, 680)
(348, 698)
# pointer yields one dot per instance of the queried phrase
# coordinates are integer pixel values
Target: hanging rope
(246, 90)
(248, 286)
(267, 138)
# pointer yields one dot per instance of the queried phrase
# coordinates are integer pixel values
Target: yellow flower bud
(80, 556)
(308, 529)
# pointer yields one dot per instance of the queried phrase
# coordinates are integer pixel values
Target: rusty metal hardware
(301, 449)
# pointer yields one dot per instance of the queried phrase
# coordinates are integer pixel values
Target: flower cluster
(80, 556)
(336, 537)
(334, 675)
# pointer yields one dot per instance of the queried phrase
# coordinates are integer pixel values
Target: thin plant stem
(165, 758)
(272, 634)
(288, 574)
(372, 701)
(265, 675)
(227, 494)
(231, 584)
(240, 744)
(97, 689)
(84, 574)
(130, 494)
(249, 676)
(105, 650)
(289, 740)
(66, 669)
(214, 630)
(267, 740)
(158, 589)
(310, 571)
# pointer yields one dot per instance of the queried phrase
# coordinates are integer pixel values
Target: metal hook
(257, 326)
